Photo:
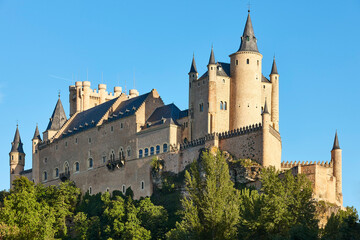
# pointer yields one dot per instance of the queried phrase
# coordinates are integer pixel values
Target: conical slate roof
(274, 68)
(212, 57)
(37, 134)
(58, 118)
(336, 142)
(193, 66)
(265, 108)
(248, 39)
(16, 145)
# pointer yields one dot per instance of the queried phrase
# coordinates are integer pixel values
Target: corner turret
(35, 155)
(193, 74)
(17, 157)
(336, 159)
(274, 79)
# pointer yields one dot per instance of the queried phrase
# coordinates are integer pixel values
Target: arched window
(90, 190)
(128, 151)
(123, 189)
(140, 153)
(121, 153)
(45, 176)
(221, 105)
(56, 173)
(112, 155)
(165, 147)
(152, 151)
(247, 61)
(76, 167)
(157, 149)
(146, 152)
(90, 163)
(225, 105)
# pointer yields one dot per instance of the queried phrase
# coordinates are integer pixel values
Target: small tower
(35, 155)
(193, 73)
(57, 120)
(212, 72)
(17, 157)
(266, 136)
(193, 77)
(245, 68)
(336, 159)
(274, 79)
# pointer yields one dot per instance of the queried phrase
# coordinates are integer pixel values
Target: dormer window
(247, 38)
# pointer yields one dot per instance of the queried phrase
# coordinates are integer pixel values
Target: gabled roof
(265, 79)
(58, 118)
(17, 145)
(91, 117)
(166, 111)
(248, 39)
(223, 69)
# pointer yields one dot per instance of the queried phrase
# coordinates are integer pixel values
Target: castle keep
(109, 139)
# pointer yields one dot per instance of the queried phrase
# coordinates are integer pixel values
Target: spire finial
(59, 93)
(249, 6)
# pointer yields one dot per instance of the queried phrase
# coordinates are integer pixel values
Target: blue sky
(46, 45)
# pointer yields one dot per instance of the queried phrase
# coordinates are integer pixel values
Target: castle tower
(266, 137)
(86, 95)
(336, 159)
(17, 157)
(245, 68)
(57, 120)
(35, 155)
(212, 73)
(274, 79)
(193, 77)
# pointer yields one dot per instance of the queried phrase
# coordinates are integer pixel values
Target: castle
(110, 138)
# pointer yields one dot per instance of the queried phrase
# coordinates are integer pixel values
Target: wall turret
(336, 159)
(86, 95)
(35, 155)
(193, 73)
(266, 136)
(102, 92)
(274, 79)
(212, 72)
(245, 91)
(17, 157)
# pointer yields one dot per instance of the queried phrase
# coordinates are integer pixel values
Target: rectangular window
(89, 140)
(104, 159)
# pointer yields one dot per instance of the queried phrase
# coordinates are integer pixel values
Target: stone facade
(110, 138)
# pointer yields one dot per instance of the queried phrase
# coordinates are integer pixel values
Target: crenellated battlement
(223, 135)
(292, 164)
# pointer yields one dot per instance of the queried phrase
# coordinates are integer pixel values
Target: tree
(211, 209)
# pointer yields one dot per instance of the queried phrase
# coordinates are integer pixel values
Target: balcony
(64, 176)
(115, 163)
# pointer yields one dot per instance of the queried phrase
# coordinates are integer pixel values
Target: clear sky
(46, 45)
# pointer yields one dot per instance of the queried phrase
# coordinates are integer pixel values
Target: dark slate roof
(37, 134)
(128, 107)
(193, 66)
(91, 117)
(184, 113)
(212, 57)
(336, 142)
(88, 119)
(58, 118)
(169, 111)
(265, 79)
(248, 39)
(223, 69)
(17, 145)
(274, 68)
(265, 108)
(25, 171)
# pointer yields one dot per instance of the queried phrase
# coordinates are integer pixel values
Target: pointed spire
(248, 39)
(193, 65)
(58, 118)
(212, 57)
(36, 134)
(336, 142)
(274, 68)
(16, 145)
(266, 111)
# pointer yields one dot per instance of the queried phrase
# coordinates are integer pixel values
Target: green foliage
(343, 225)
(156, 164)
(211, 209)
(246, 162)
